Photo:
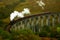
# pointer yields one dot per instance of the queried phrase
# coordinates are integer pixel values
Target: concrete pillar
(33, 24)
(39, 23)
(28, 25)
(22, 25)
(14, 27)
(48, 20)
(18, 25)
(53, 20)
(25, 23)
(42, 21)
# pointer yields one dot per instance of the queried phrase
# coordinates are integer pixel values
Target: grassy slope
(51, 5)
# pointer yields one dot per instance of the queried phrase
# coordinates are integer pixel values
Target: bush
(24, 34)
(43, 34)
(58, 28)
(4, 35)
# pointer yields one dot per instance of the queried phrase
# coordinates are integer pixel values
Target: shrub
(58, 29)
(43, 34)
(24, 34)
(4, 35)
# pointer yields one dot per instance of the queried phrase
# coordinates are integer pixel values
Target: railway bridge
(36, 22)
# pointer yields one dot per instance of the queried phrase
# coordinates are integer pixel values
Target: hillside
(8, 6)
(51, 5)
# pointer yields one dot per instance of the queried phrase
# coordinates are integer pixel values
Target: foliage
(22, 31)
(58, 28)
(1, 22)
(49, 31)
(43, 33)
(24, 34)
(4, 35)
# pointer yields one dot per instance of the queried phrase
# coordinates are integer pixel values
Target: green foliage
(43, 33)
(49, 31)
(23, 31)
(1, 22)
(5, 35)
(46, 28)
(58, 28)
(53, 34)
(24, 34)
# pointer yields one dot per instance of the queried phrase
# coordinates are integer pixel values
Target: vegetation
(20, 35)
(4, 35)
(27, 34)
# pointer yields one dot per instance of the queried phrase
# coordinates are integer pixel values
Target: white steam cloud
(19, 14)
(41, 3)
